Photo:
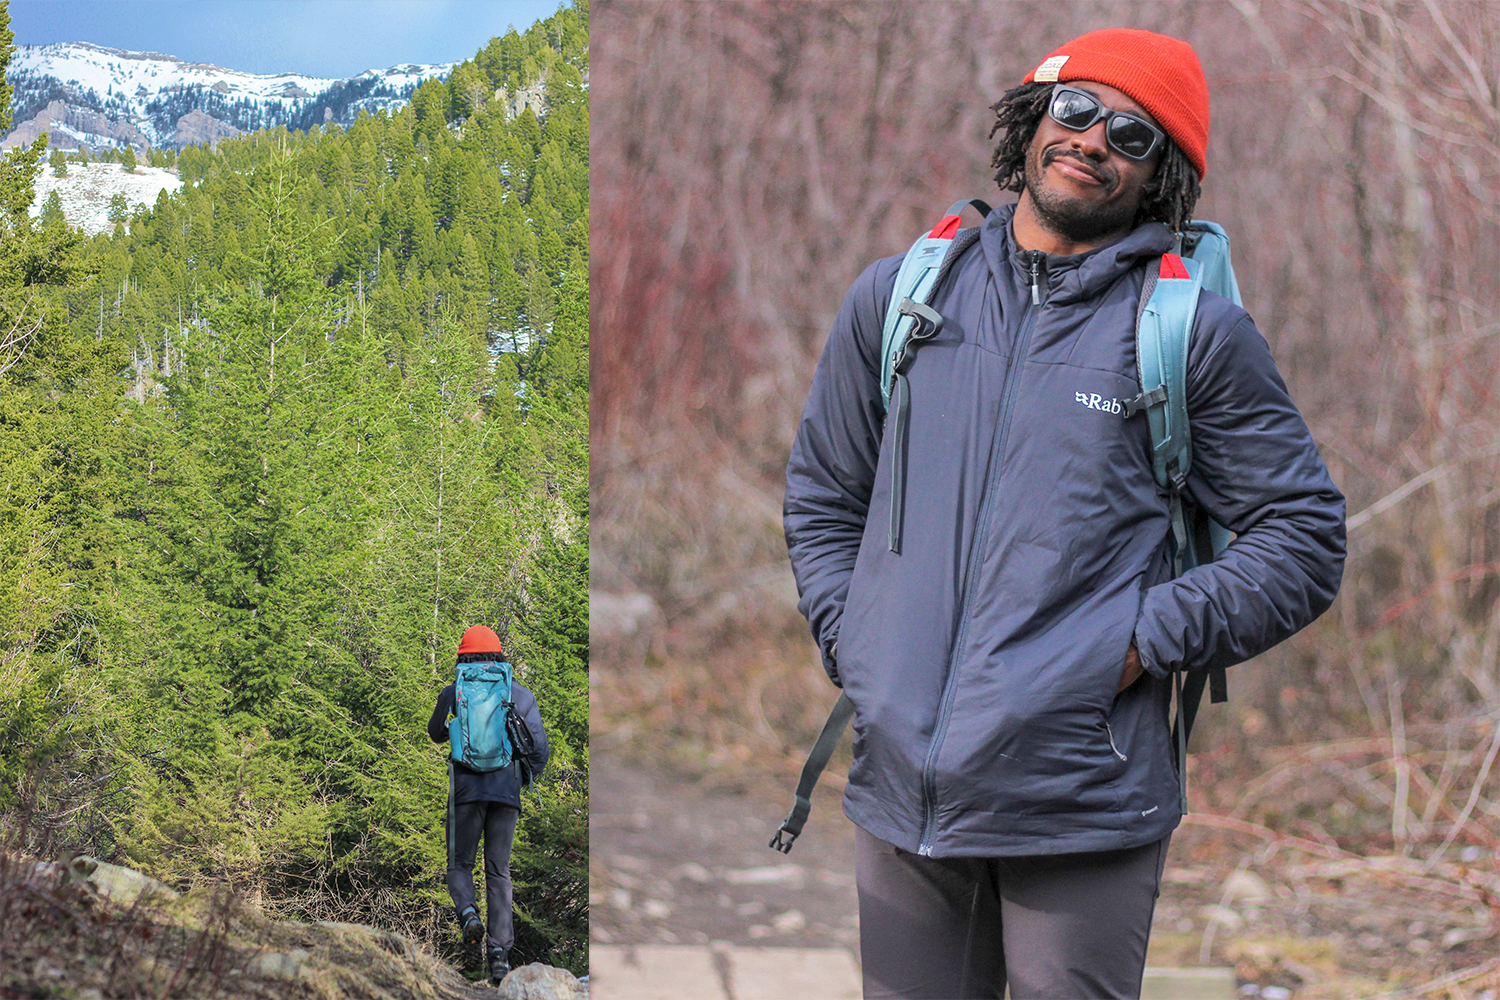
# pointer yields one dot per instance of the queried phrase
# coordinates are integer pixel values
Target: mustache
(1057, 152)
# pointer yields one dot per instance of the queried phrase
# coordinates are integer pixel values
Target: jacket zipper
(976, 552)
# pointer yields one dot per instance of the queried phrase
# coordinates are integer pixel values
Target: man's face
(1081, 187)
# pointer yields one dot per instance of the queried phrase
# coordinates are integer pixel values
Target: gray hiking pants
(497, 822)
(1067, 926)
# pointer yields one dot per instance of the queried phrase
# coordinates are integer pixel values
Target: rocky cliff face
(198, 126)
(71, 127)
(532, 97)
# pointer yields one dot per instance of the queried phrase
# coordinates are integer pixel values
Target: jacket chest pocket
(1080, 465)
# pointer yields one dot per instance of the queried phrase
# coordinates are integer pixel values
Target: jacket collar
(1072, 278)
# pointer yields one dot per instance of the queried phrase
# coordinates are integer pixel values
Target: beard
(1073, 218)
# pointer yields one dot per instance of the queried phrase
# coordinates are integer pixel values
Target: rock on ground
(124, 885)
(541, 982)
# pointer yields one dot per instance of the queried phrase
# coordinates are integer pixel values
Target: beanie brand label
(1048, 70)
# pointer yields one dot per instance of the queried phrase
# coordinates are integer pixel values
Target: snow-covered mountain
(87, 95)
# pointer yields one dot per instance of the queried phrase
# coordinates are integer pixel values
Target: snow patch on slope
(86, 191)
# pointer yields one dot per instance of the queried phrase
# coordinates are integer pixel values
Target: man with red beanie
(486, 803)
(1009, 654)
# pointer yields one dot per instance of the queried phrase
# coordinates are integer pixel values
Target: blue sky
(325, 38)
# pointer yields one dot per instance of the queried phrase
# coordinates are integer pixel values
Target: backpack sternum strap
(921, 269)
(898, 420)
(1181, 541)
(1149, 398)
(926, 323)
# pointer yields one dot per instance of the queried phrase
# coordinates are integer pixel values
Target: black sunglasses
(1126, 133)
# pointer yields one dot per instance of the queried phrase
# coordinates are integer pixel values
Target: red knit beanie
(479, 640)
(1160, 74)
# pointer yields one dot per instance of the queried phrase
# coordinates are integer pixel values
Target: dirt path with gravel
(671, 863)
(675, 863)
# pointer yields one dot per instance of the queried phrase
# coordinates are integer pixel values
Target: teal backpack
(1169, 302)
(478, 737)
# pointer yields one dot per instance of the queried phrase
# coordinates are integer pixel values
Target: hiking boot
(473, 926)
(499, 965)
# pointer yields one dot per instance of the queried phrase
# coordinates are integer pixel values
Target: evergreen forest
(268, 449)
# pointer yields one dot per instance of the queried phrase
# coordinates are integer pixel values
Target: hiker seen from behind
(497, 746)
(998, 511)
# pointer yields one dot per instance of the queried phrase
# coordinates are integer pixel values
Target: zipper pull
(1036, 266)
(1112, 746)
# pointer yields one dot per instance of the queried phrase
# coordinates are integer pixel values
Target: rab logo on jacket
(1094, 401)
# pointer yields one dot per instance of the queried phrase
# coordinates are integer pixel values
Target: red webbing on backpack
(945, 229)
(1172, 266)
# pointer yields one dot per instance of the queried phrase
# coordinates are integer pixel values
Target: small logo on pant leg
(1094, 401)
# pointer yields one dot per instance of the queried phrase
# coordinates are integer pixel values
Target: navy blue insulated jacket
(982, 661)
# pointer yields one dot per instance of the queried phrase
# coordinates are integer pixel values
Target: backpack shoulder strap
(1162, 334)
(909, 321)
(920, 271)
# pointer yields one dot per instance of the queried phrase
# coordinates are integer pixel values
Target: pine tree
(55, 396)
(52, 211)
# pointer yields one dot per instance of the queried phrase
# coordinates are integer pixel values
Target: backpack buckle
(1145, 400)
(926, 322)
(790, 827)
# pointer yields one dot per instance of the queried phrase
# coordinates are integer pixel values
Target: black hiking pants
(497, 822)
(1070, 926)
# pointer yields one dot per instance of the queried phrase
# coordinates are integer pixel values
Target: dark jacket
(982, 661)
(503, 785)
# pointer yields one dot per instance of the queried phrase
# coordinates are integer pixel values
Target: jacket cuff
(1148, 662)
(830, 661)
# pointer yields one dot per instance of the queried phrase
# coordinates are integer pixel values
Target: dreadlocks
(1169, 196)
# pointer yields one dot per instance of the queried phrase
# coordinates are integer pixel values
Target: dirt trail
(674, 863)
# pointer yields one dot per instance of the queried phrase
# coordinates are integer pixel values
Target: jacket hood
(1075, 277)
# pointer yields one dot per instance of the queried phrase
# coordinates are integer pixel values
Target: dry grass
(60, 936)
(67, 929)
(58, 933)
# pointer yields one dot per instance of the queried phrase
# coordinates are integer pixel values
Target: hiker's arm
(437, 726)
(1258, 473)
(832, 466)
(532, 715)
